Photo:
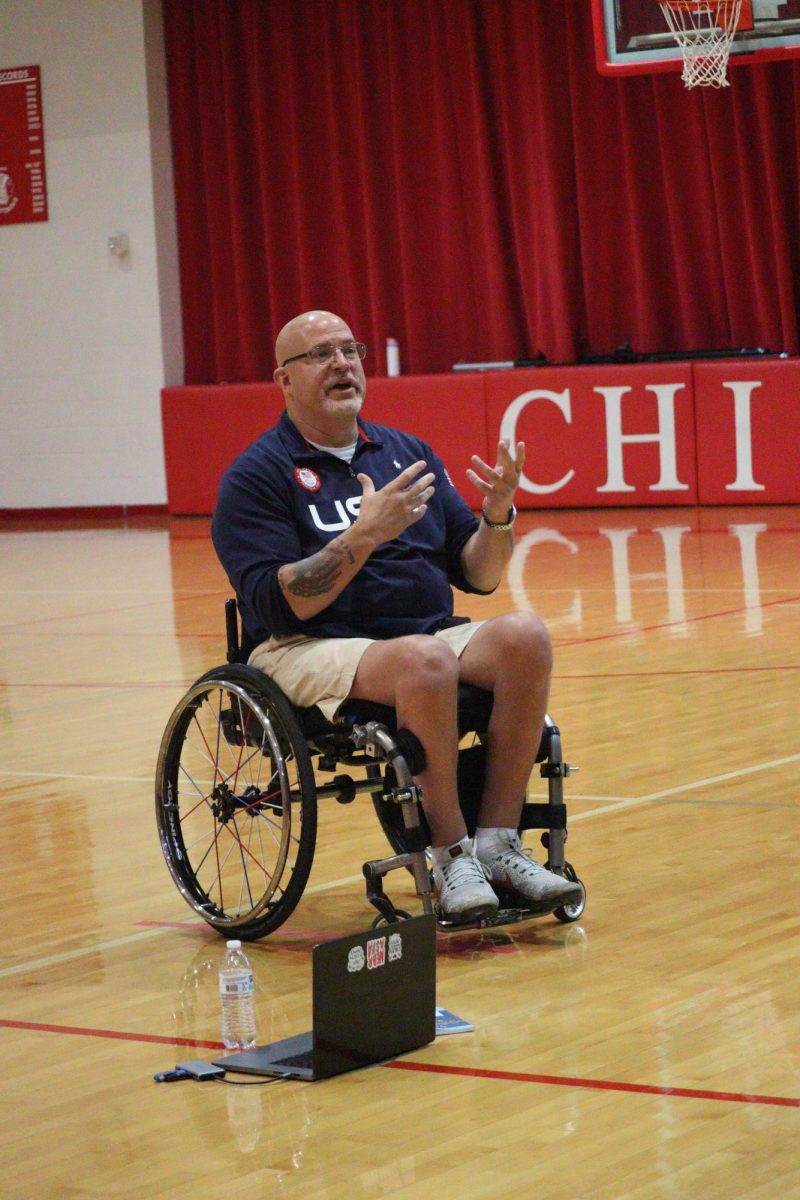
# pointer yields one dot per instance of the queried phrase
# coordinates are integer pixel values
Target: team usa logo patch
(308, 479)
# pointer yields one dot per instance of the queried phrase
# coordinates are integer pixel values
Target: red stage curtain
(456, 174)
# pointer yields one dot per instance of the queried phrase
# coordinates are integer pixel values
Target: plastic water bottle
(392, 357)
(237, 994)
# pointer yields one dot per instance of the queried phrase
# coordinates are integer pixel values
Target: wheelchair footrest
(513, 908)
(503, 916)
(513, 901)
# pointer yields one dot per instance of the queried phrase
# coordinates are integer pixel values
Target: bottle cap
(234, 945)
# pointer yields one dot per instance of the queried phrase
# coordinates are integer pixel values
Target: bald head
(323, 398)
(306, 330)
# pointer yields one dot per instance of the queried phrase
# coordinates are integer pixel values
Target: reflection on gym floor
(648, 1050)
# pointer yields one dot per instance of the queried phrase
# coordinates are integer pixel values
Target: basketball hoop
(704, 30)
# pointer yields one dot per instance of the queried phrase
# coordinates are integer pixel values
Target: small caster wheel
(571, 912)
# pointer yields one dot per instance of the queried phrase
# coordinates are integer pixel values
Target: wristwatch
(502, 525)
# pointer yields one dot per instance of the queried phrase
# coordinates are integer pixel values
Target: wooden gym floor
(650, 1050)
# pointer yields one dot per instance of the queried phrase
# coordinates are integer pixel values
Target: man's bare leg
(418, 676)
(510, 656)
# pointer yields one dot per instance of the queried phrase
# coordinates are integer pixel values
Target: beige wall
(87, 340)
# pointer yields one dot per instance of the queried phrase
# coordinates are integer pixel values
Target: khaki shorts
(321, 670)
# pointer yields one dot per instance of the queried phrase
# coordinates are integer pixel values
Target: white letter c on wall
(508, 430)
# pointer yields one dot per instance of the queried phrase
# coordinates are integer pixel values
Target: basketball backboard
(632, 36)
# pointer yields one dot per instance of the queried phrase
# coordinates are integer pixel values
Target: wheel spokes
(239, 757)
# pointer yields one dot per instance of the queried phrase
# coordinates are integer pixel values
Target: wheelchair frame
(237, 791)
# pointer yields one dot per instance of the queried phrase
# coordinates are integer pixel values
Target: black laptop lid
(374, 995)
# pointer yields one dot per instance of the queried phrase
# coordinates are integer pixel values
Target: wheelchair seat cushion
(474, 710)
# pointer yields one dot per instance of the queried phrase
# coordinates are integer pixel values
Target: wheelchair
(240, 773)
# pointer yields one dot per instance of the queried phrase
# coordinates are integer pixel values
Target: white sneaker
(461, 887)
(508, 866)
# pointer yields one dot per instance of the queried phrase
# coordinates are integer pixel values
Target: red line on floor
(124, 685)
(436, 1068)
(468, 944)
(115, 1034)
(104, 612)
(525, 518)
(284, 935)
(121, 686)
(622, 633)
(688, 671)
(606, 1085)
(173, 924)
(72, 633)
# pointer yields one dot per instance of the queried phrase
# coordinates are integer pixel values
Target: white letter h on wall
(615, 439)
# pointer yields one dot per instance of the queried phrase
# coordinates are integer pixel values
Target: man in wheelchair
(342, 541)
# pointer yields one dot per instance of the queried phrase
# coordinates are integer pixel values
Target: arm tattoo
(316, 575)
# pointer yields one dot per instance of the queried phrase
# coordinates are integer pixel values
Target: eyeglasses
(326, 353)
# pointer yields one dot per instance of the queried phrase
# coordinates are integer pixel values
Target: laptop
(374, 997)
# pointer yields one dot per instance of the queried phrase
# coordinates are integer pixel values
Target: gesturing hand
(500, 482)
(386, 513)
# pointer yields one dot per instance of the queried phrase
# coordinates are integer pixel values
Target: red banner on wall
(23, 185)
(640, 435)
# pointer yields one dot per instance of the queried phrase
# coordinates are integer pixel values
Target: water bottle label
(243, 986)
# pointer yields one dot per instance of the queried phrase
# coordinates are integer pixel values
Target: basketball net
(704, 30)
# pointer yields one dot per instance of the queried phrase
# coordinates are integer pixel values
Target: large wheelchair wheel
(236, 802)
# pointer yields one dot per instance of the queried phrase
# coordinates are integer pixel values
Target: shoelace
(510, 858)
(463, 870)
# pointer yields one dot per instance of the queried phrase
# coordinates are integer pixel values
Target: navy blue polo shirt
(282, 500)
